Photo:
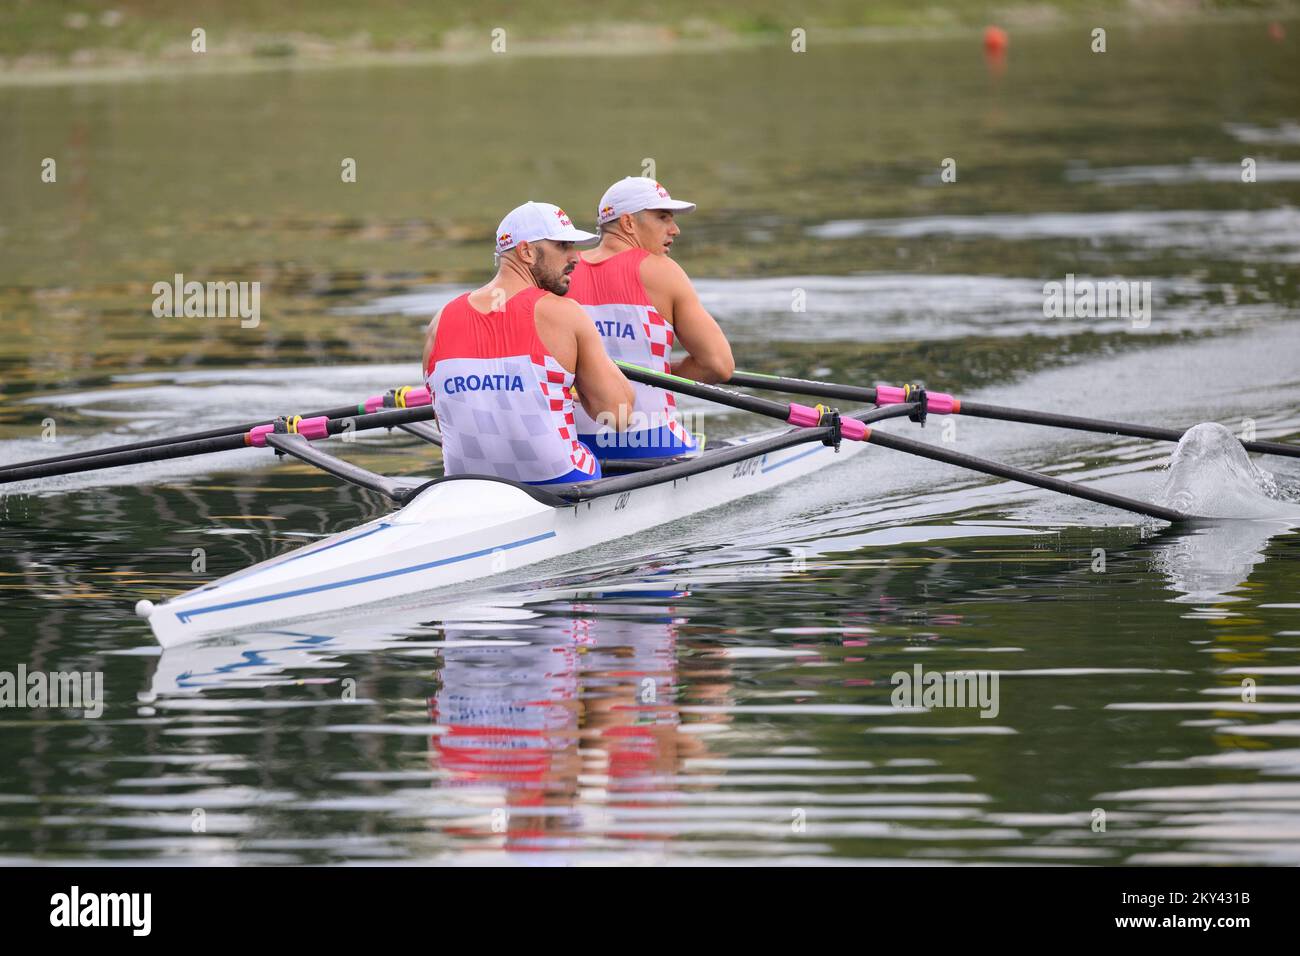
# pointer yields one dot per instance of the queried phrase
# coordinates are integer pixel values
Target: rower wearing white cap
(502, 361)
(642, 302)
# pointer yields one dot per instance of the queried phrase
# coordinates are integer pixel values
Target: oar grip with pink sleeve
(407, 397)
(940, 403)
(312, 429)
(807, 416)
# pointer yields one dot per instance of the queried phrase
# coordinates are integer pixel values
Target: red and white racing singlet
(503, 402)
(613, 295)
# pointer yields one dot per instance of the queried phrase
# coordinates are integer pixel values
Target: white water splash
(1211, 475)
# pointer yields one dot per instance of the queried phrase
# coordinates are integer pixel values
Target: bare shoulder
(563, 328)
(668, 286)
(557, 309)
(663, 272)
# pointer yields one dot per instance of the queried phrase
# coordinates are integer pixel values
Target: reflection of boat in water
(265, 658)
(1211, 474)
(545, 713)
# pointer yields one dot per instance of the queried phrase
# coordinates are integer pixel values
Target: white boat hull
(459, 531)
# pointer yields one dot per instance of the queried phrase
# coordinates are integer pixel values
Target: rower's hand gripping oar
(417, 401)
(943, 404)
(855, 430)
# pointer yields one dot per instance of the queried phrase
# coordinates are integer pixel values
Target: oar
(313, 428)
(854, 430)
(943, 404)
(404, 397)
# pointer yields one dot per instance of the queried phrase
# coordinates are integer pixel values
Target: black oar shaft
(219, 432)
(1031, 417)
(115, 459)
(803, 386)
(390, 418)
(997, 469)
(921, 449)
(714, 393)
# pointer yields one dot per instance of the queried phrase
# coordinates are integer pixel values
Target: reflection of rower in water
(514, 716)
(631, 726)
(510, 719)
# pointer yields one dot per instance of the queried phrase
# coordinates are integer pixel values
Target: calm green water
(720, 690)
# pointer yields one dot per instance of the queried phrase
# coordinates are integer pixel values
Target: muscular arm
(708, 353)
(569, 334)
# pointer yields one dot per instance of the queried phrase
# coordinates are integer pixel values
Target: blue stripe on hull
(185, 616)
(792, 458)
(310, 551)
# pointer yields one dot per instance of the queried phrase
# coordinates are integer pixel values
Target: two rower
(503, 362)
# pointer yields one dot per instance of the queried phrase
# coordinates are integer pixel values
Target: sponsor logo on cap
(563, 217)
(503, 239)
(663, 193)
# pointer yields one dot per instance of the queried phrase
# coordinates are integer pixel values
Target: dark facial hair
(548, 279)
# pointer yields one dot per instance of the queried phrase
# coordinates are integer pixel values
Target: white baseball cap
(634, 194)
(537, 220)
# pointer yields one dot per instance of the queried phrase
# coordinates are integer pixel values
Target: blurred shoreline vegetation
(83, 40)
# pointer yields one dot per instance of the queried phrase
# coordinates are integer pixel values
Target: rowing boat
(462, 529)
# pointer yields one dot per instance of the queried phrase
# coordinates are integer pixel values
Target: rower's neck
(611, 244)
(511, 277)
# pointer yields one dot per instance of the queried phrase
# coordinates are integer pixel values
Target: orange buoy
(995, 40)
(995, 50)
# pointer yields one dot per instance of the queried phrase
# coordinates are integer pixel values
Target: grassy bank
(83, 37)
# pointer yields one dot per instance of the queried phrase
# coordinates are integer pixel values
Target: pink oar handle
(808, 417)
(410, 396)
(804, 416)
(854, 430)
(312, 429)
(940, 403)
